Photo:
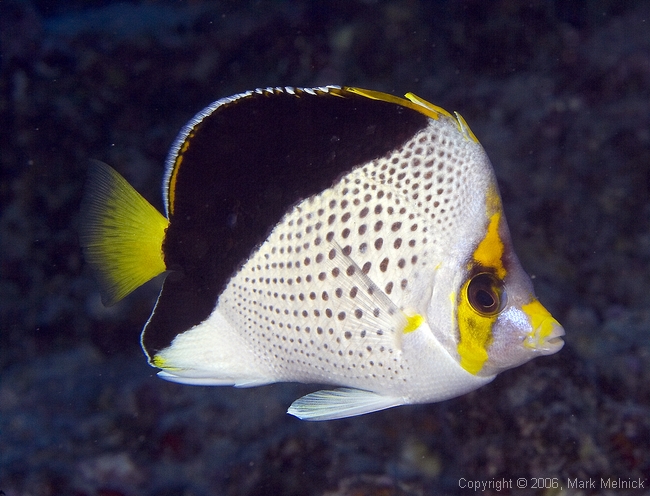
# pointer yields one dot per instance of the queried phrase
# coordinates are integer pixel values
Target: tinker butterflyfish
(328, 235)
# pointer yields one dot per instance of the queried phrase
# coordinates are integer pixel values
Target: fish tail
(121, 234)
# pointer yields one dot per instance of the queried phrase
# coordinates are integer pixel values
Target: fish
(333, 235)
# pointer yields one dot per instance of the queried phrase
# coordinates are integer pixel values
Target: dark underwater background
(558, 92)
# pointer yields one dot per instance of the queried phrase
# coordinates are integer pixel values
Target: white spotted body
(364, 285)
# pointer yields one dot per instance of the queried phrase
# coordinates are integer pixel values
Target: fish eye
(486, 294)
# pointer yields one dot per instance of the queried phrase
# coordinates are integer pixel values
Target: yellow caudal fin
(121, 234)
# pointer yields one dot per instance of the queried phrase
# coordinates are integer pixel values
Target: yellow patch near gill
(413, 322)
(121, 234)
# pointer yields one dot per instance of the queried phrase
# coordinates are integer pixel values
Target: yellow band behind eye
(475, 332)
(475, 329)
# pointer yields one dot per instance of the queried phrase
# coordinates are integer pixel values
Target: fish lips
(546, 338)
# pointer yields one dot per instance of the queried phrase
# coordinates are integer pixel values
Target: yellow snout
(546, 334)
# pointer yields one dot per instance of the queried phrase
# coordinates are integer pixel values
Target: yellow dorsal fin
(121, 234)
(411, 101)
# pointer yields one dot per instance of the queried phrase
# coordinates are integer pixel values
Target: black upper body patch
(239, 170)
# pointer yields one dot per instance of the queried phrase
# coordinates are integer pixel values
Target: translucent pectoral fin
(340, 403)
(376, 317)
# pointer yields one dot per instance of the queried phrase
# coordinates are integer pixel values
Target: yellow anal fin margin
(121, 234)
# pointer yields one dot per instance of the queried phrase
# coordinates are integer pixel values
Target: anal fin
(207, 380)
(340, 403)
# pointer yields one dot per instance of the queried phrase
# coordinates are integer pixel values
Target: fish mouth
(552, 342)
(546, 334)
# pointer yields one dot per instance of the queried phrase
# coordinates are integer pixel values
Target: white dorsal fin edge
(340, 403)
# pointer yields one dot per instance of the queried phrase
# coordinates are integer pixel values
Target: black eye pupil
(485, 294)
(484, 299)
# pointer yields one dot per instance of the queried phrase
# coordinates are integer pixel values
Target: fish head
(500, 323)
